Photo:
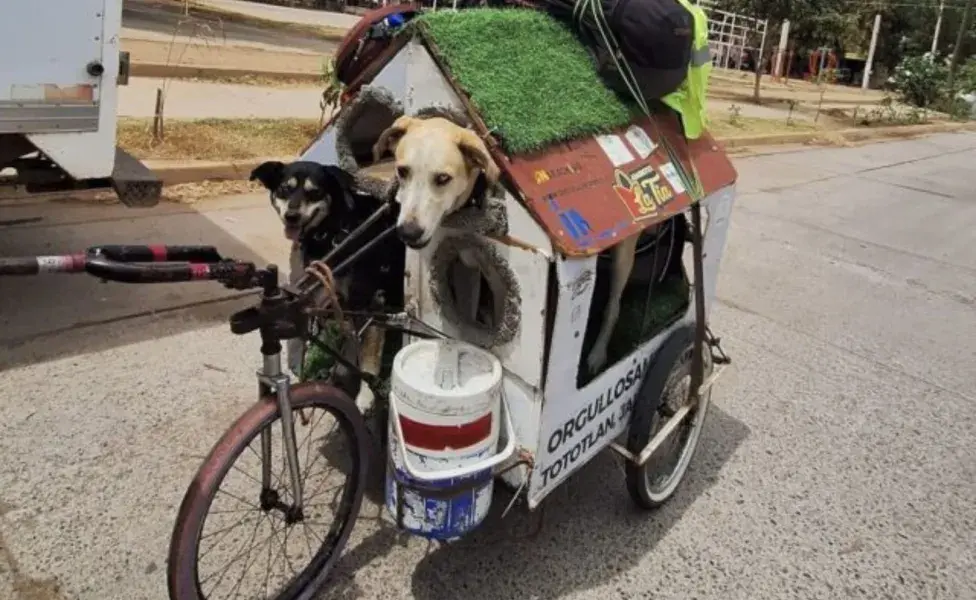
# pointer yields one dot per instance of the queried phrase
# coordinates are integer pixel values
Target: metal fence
(737, 41)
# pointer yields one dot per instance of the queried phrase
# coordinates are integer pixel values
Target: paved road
(837, 462)
(167, 18)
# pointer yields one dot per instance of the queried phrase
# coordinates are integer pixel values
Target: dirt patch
(217, 139)
(723, 125)
(24, 587)
(214, 53)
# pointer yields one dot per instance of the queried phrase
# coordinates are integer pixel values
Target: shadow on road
(48, 317)
(590, 532)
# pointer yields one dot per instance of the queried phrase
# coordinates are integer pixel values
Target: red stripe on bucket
(442, 437)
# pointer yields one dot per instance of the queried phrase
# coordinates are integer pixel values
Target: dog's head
(437, 166)
(305, 193)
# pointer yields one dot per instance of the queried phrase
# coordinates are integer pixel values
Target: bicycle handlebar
(140, 264)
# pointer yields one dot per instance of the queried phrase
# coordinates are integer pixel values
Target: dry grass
(722, 126)
(218, 139)
(256, 80)
(183, 193)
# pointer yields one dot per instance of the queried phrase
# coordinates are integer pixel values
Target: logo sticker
(544, 175)
(573, 223)
(643, 192)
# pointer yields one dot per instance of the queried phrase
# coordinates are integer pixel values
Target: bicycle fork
(271, 380)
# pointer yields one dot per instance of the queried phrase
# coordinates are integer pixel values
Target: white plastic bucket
(446, 397)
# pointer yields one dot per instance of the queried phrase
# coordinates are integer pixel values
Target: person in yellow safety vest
(689, 99)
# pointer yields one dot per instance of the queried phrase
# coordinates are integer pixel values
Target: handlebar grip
(35, 265)
(127, 253)
(105, 268)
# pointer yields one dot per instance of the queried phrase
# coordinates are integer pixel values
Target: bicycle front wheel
(237, 538)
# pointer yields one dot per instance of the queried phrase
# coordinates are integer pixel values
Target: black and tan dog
(319, 207)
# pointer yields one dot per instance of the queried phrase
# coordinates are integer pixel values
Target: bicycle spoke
(232, 561)
(235, 525)
(308, 451)
(239, 499)
(276, 482)
(257, 525)
(318, 493)
(273, 562)
(246, 474)
(319, 454)
(217, 543)
(247, 565)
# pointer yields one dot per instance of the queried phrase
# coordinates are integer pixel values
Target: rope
(321, 271)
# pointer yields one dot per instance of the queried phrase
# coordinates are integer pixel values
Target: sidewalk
(214, 40)
(206, 53)
(201, 100)
(282, 14)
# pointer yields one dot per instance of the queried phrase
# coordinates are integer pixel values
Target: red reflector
(442, 437)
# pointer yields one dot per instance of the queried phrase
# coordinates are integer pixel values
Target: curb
(848, 135)
(173, 172)
(163, 71)
(720, 94)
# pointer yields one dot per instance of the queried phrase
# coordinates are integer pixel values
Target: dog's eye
(442, 179)
(403, 172)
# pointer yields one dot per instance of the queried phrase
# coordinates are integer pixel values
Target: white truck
(60, 65)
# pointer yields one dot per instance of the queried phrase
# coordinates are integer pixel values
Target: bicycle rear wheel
(288, 556)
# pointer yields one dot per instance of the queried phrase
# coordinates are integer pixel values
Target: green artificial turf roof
(550, 93)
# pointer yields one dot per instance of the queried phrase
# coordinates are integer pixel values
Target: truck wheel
(663, 392)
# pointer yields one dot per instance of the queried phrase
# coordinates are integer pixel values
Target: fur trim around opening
(480, 254)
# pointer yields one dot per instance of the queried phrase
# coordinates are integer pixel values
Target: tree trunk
(764, 55)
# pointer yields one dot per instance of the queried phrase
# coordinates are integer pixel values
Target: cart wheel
(663, 392)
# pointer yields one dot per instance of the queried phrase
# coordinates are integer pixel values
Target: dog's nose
(291, 218)
(409, 232)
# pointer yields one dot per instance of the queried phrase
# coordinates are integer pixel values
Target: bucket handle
(460, 472)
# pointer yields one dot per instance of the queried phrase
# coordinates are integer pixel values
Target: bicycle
(281, 502)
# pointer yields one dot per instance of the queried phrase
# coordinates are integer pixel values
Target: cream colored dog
(437, 165)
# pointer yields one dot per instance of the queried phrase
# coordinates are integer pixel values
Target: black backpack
(655, 38)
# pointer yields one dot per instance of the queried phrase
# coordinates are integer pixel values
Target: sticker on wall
(643, 192)
(615, 149)
(671, 174)
(640, 141)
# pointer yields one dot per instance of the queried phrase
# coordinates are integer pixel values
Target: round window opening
(476, 290)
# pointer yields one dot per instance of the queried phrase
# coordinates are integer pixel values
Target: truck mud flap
(134, 183)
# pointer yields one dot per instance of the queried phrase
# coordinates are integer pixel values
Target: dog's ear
(475, 150)
(341, 184)
(269, 174)
(389, 139)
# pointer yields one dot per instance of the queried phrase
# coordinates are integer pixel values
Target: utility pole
(957, 51)
(869, 65)
(784, 36)
(938, 26)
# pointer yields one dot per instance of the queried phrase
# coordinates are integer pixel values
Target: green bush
(966, 77)
(920, 80)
